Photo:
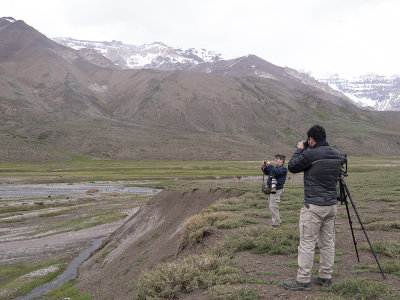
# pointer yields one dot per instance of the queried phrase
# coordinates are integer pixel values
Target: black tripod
(344, 193)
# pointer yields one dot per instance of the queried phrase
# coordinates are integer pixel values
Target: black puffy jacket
(321, 165)
(278, 172)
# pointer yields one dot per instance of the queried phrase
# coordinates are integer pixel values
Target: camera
(273, 185)
(305, 144)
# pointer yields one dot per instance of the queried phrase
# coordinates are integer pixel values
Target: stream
(70, 273)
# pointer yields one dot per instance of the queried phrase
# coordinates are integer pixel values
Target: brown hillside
(58, 100)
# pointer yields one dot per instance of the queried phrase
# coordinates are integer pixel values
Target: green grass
(261, 239)
(233, 292)
(391, 266)
(86, 170)
(242, 220)
(77, 222)
(67, 291)
(362, 288)
(255, 236)
(385, 247)
(11, 276)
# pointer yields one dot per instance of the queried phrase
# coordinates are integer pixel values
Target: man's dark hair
(281, 157)
(317, 132)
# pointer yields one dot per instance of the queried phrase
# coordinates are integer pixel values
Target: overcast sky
(349, 37)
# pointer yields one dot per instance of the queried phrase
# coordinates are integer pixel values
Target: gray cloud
(347, 37)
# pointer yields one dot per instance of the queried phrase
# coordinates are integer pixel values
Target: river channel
(29, 191)
(10, 193)
(70, 273)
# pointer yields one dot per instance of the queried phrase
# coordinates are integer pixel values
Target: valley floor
(154, 237)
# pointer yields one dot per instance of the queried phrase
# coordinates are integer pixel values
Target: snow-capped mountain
(371, 91)
(155, 55)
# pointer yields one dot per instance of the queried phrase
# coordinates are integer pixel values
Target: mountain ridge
(371, 91)
(56, 103)
(384, 94)
(155, 55)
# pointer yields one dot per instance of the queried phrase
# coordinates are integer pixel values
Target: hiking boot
(297, 286)
(322, 281)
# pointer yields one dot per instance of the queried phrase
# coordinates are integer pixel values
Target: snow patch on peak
(154, 55)
(10, 19)
(369, 90)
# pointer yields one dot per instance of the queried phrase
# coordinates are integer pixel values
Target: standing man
(320, 164)
(276, 175)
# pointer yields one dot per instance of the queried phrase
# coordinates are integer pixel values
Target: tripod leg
(363, 228)
(351, 228)
(343, 198)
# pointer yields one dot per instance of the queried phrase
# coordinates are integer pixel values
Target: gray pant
(274, 200)
(317, 223)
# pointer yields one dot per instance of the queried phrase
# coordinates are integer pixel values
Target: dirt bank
(143, 241)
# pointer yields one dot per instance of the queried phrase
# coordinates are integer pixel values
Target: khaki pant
(274, 206)
(317, 223)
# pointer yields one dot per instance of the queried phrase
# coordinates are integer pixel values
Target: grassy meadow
(98, 170)
(249, 259)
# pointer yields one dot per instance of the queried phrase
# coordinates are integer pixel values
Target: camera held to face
(273, 185)
(305, 144)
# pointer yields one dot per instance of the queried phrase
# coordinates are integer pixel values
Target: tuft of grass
(234, 222)
(198, 226)
(362, 288)
(261, 239)
(168, 280)
(386, 247)
(237, 204)
(391, 266)
(384, 225)
(253, 213)
(371, 219)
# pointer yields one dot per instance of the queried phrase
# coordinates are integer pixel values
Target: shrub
(167, 280)
(198, 226)
(262, 239)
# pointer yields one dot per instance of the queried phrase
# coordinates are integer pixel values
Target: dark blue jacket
(278, 172)
(321, 165)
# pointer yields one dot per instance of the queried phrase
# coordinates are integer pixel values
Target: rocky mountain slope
(156, 55)
(370, 91)
(56, 102)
